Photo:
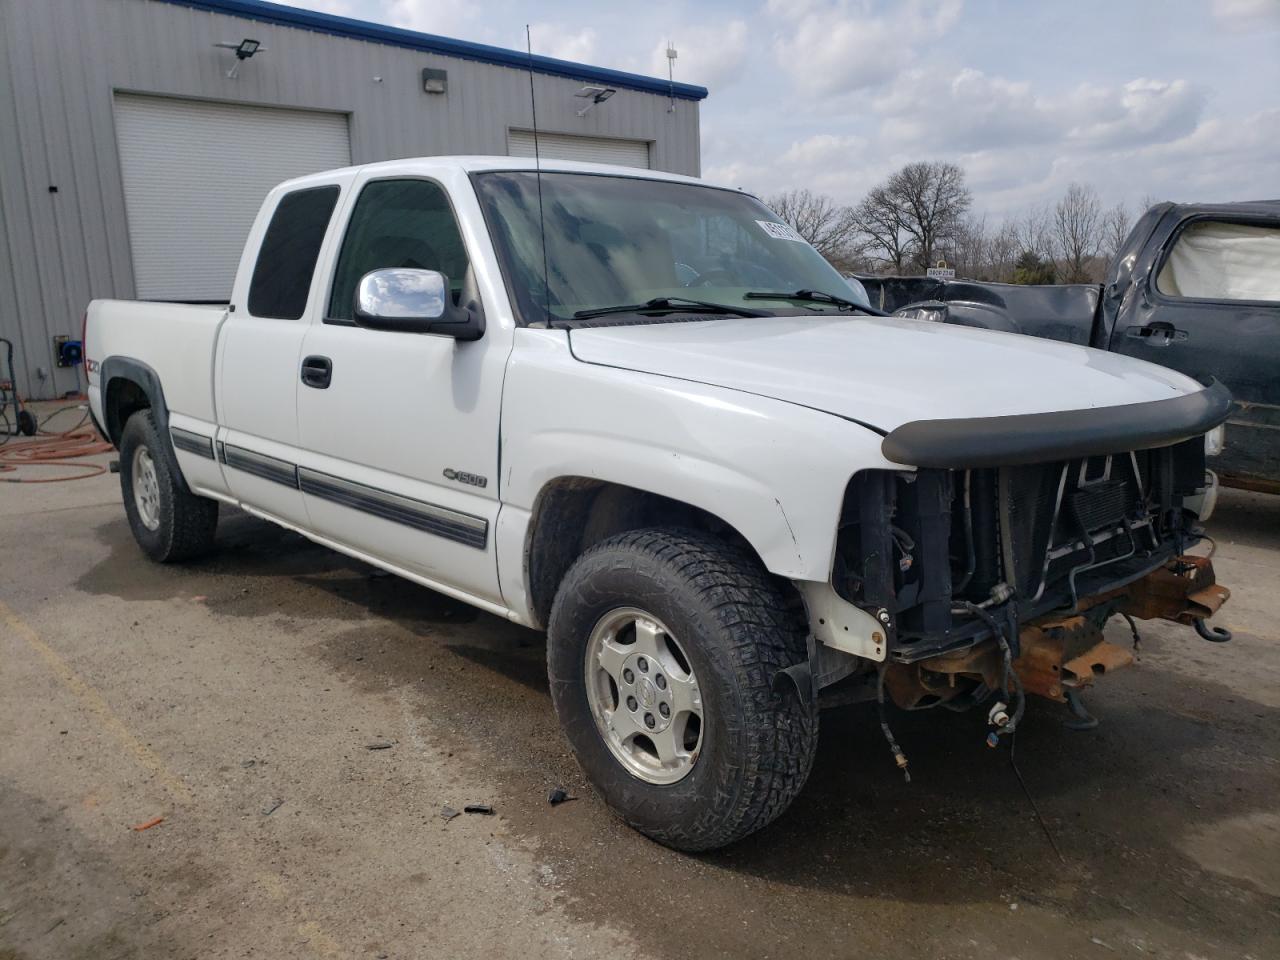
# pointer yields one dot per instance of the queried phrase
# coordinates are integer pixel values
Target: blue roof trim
(430, 43)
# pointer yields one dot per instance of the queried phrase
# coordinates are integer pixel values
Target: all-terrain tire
(730, 620)
(184, 522)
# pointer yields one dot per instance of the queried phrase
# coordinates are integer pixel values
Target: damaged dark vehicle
(1195, 287)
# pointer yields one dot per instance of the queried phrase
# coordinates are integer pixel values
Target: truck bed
(176, 339)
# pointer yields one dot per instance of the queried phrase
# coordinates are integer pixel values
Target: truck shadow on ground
(1172, 755)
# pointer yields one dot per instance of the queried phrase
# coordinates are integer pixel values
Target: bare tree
(1002, 253)
(883, 234)
(1077, 227)
(1033, 233)
(931, 199)
(969, 250)
(831, 229)
(1115, 230)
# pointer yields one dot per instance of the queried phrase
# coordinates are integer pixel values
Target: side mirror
(413, 301)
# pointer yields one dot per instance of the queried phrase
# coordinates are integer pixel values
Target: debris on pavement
(449, 813)
(559, 795)
(380, 745)
(271, 806)
(485, 808)
(149, 824)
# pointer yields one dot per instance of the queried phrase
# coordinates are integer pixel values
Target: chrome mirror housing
(414, 301)
(400, 294)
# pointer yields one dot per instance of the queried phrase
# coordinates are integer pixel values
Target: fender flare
(135, 371)
(127, 368)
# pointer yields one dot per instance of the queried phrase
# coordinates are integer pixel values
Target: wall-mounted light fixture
(245, 49)
(435, 80)
(594, 95)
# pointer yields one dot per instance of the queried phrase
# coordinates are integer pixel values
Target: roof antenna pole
(537, 165)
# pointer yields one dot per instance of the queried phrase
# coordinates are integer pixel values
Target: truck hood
(881, 372)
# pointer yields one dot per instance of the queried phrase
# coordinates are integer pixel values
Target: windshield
(612, 241)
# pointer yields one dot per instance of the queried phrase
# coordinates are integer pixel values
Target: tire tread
(760, 638)
(188, 522)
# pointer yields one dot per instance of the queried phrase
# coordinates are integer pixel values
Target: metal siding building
(127, 151)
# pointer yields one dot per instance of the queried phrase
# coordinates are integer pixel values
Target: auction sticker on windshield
(779, 231)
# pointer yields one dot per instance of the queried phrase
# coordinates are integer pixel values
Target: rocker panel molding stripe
(260, 465)
(192, 442)
(451, 524)
(431, 518)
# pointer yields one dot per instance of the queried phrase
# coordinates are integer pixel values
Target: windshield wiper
(817, 296)
(671, 305)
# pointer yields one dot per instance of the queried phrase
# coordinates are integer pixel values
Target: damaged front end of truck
(995, 561)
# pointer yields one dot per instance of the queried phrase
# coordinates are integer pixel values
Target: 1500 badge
(461, 476)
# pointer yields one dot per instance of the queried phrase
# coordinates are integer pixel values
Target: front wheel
(169, 521)
(663, 646)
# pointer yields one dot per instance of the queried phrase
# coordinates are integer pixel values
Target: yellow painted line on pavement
(93, 701)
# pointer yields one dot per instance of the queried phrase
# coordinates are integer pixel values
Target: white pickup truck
(639, 412)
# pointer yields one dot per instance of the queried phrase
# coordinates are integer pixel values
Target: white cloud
(1247, 15)
(842, 46)
(835, 94)
(1016, 145)
(844, 167)
(562, 43)
(933, 110)
(1142, 111)
(1221, 159)
(971, 111)
(711, 55)
(430, 16)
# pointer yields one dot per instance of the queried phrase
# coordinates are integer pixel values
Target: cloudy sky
(1176, 99)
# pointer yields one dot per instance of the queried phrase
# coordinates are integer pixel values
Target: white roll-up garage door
(564, 146)
(195, 174)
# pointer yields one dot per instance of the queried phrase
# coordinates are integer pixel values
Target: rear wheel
(169, 522)
(663, 646)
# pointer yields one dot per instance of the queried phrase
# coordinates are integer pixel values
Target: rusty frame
(1063, 652)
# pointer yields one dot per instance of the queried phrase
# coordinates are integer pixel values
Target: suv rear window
(287, 257)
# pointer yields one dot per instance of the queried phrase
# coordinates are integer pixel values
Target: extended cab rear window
(287, 257)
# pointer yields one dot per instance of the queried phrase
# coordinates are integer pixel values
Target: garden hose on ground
(55, 450)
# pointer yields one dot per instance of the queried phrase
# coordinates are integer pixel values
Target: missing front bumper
(1058, 654)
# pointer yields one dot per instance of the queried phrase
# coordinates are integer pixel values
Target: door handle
(317, 372)
(1161, 332)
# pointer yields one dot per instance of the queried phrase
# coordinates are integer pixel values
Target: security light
(594, 95)
(435, 80)
(245, 49)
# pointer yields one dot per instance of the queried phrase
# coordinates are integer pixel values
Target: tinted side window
(287, 258)
(1212, 260)
(398, 223)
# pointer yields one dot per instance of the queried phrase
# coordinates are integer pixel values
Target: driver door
(400, 430)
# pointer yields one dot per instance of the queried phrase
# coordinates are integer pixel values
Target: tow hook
(1212, 634)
